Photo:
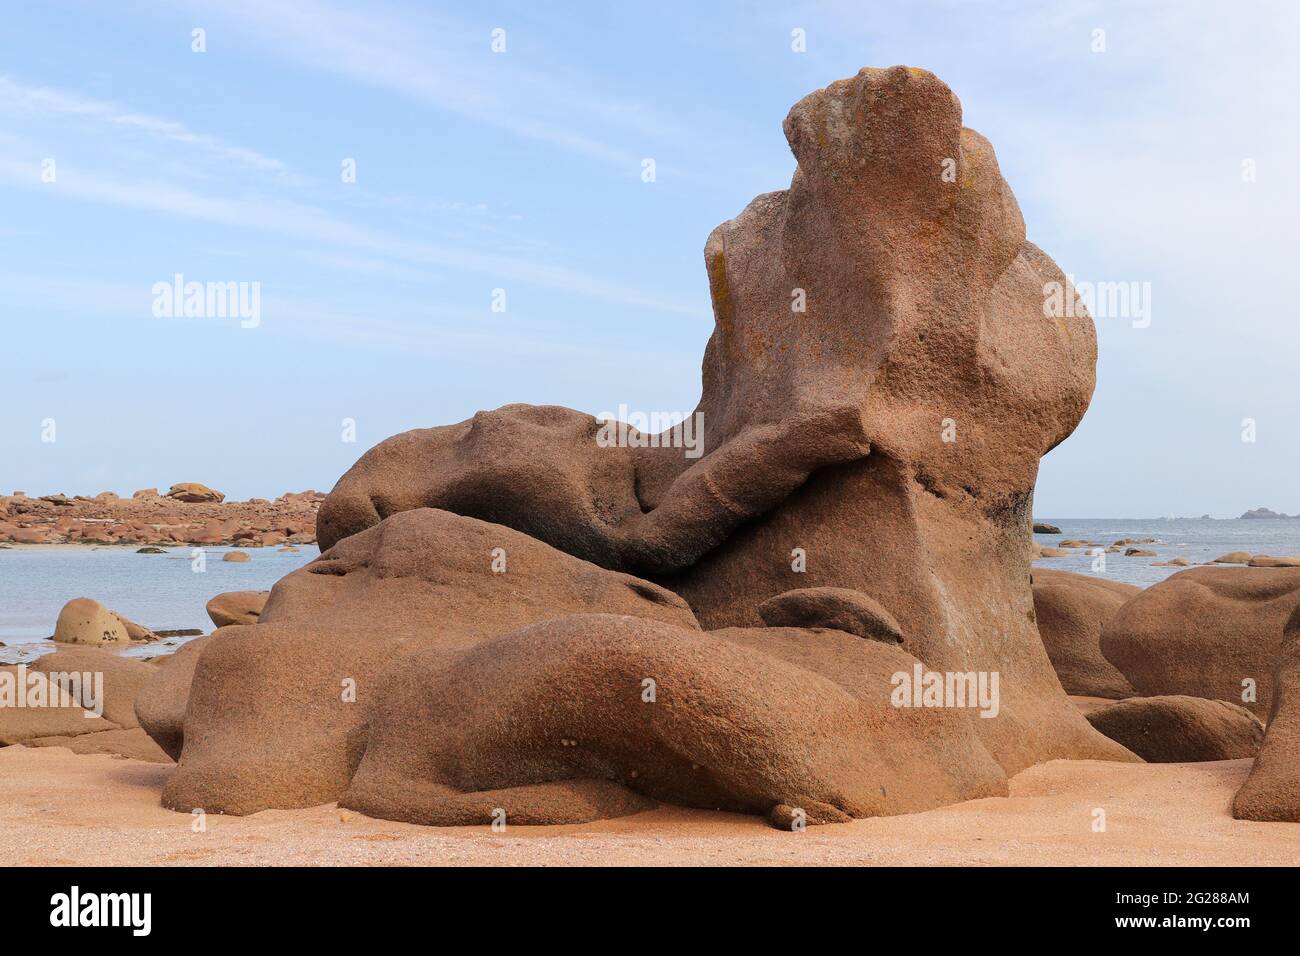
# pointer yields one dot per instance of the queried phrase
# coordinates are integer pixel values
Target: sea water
(157, 591)
(1199, 540)
(164, 592)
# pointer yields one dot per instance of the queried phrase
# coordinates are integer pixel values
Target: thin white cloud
(450, 67)
(41, 101)
(313, 224)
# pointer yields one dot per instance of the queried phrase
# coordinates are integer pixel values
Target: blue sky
(522, 171)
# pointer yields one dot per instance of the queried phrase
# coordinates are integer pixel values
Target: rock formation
(1071, 610)
(563, 711)
(1212, 631)
(237, 607)
(161, 701)
(307, 673)
(95, 690)
(1272, 791)
(1178, 729)
(86, 621)
(878, 390)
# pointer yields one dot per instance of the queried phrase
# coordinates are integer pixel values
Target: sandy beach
(58, 808)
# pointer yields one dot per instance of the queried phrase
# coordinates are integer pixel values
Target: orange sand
(57, 807)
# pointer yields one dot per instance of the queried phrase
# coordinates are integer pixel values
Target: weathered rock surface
(133, 743)
(1071, 610)
(742, 719)
(306, 673)
(1272, 791)
(37, 715)
(825, 461)
(122, 679)
(1180, 729)
(86, 621)
(1205, 632)
(838, 608)
(237, 607)
(161, 702)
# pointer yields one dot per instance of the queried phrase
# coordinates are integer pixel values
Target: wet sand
(60, 808)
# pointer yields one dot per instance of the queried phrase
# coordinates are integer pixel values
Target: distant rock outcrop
(150, 519)
(1266, 513)
(194, 493)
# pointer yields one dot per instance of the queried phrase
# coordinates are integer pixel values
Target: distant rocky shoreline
(1266, 513)
(188, 513)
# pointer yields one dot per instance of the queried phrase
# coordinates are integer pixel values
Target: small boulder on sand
(1180, 729)
(237, 607)
(1053, 553)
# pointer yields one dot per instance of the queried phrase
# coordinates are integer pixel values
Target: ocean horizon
(162, 592)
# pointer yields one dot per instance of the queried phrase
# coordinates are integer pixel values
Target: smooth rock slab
(744, 719)
(1179, 729)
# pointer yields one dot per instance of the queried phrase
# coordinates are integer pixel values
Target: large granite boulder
(1071, 610)
(879, 387)
(1272, 791)
(306, 674)
(497, 597)
(566, 720)
(1179, 729)
(163, 698)
(1205, 632)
